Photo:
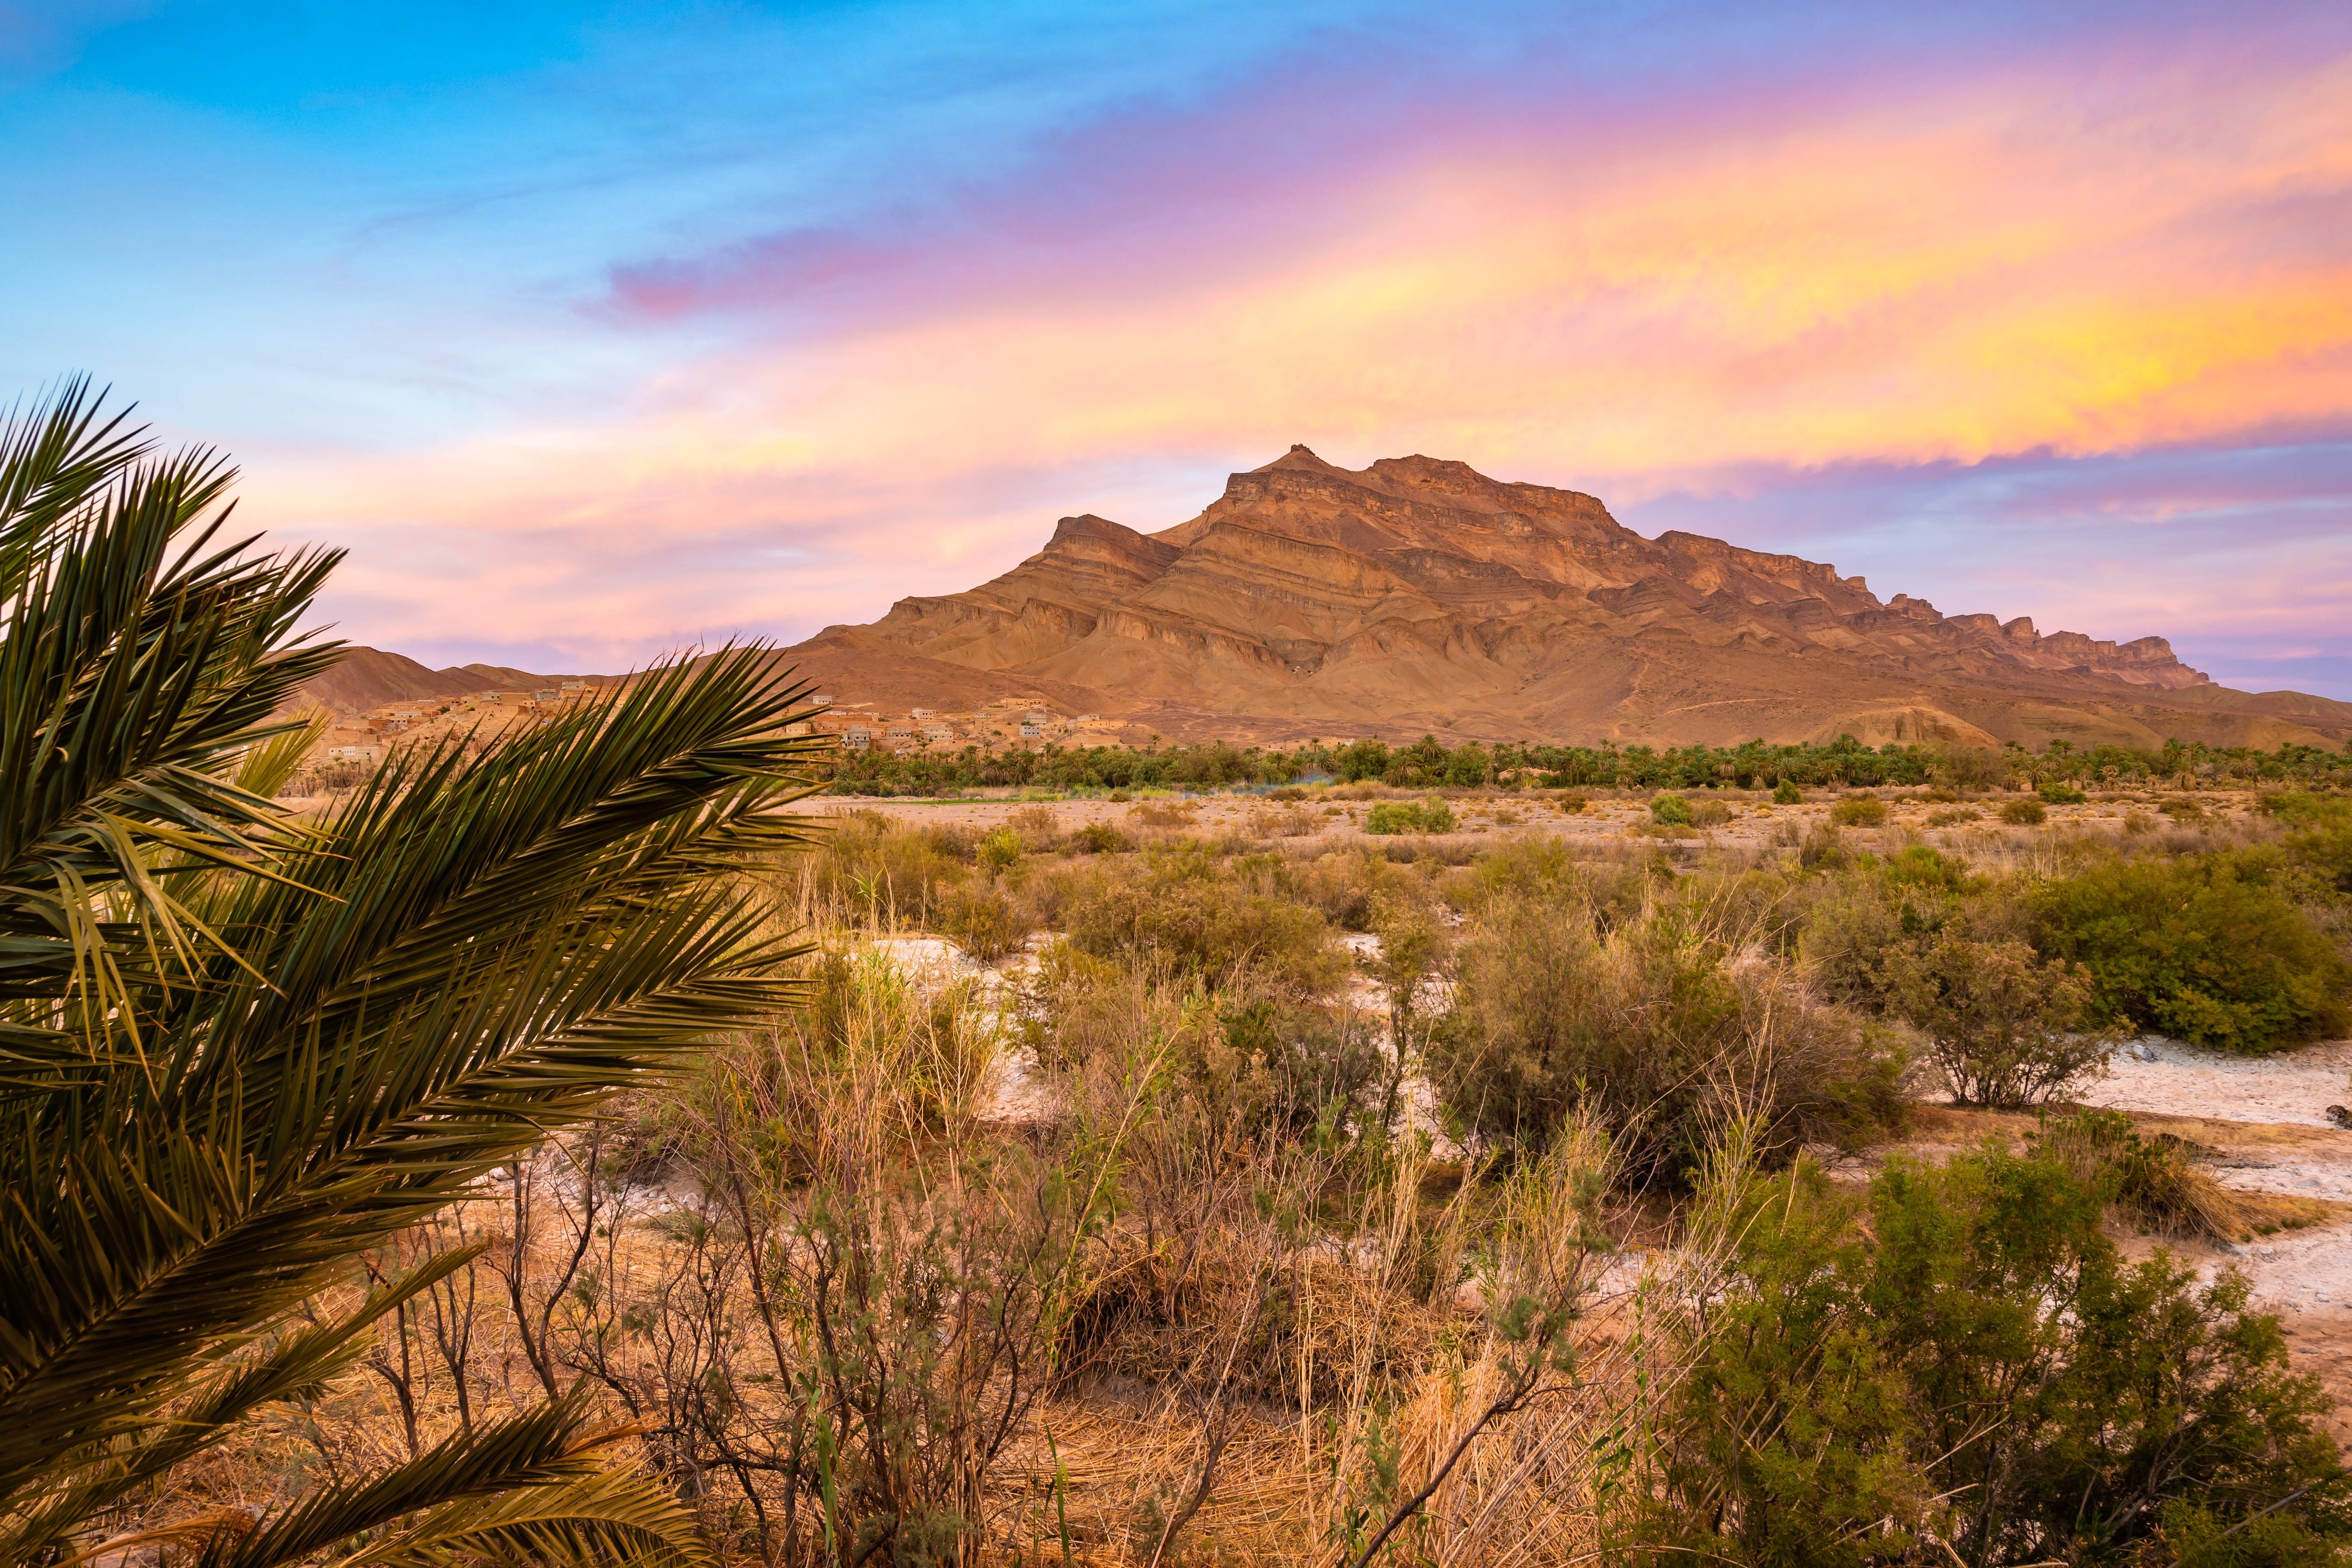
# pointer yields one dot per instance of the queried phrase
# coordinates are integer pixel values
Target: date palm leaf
(236, 1050)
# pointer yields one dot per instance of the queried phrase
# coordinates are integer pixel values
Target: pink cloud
(1903, 272)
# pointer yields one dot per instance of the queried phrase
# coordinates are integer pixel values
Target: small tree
(2006, 1029)
(1413, 947)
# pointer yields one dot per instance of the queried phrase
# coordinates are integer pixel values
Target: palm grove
(540, 1156)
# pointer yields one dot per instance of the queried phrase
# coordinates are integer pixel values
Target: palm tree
(237, 1048)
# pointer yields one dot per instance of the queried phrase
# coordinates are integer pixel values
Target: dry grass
(1230, 1339)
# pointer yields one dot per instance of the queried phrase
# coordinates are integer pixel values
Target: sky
(596, 331)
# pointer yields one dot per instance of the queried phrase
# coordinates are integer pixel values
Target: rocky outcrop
(1419, 594)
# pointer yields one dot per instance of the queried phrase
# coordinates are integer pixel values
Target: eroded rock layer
(1418, 595)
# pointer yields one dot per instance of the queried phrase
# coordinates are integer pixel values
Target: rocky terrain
(1311, 601)
(370, 677)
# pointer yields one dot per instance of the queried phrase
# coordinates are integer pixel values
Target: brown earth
(369, 678)
(1417, 596)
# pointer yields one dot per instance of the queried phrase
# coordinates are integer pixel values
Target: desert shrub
(2061, 795)
(1859, 811)
(1342, 887)
(1612, 891)
(1823, 848)
(1273, 1063)
(1979, 1367)
(2152, 1183)
(1038, 826)
(1849, 921)
(1291, 821)
(2182, 809)
(2197, 947)
(1200, 916)
(1570, 803)
(1391, 817)
(1652, 1031)
(1164, 813)
(868, 870)
(1075, 1007)
(1953, 818)
(1786, 793)
(1100, 838)
(2007, 1028)
(1670, 811)
(2320, 836)
(1543, 867)
(927, 1041)
(2024, 813)
(1709, 814)
(985, 920)
(1001, 849)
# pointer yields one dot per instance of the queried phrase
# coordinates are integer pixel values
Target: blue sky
(596, 330)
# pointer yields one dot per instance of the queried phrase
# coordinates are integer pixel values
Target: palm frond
(236, 1050)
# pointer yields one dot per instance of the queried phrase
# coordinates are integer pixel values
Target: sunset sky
(596, 330)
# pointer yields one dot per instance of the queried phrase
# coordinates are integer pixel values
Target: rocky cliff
(1418, 595)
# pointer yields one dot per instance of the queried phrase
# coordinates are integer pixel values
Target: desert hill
(1418, 595)
(369, 678)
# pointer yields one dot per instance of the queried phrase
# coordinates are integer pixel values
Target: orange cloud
(2008, 266)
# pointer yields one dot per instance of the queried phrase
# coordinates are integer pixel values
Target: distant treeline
(1845, 763)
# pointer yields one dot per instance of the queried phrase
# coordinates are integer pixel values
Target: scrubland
(1529, 1180)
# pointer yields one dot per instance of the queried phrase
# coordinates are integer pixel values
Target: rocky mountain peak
(1418, 594)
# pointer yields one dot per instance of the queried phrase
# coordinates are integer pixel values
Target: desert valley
(1182, 785)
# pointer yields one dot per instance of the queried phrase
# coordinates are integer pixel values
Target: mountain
(1419, 595)
(369, 678)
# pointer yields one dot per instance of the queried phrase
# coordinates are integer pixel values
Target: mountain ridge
(1419, 594)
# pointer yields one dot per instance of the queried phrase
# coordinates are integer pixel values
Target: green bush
(1198, 916)
(1648, 1030)
(2197, 947)
(1098, 839)
(1390, 816)
(1859, 811)
(1977, 1366)
(1786, 793)
(1823, 848)
(1282, 1066)
(2025, 814)
(2006, 1030)
(1569, 802)
(1670, 811)
(2063, 794)
(984, 920)
(1001, 850)
(2320, 836)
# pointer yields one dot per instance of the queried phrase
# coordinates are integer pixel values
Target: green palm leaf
(234, 1052)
